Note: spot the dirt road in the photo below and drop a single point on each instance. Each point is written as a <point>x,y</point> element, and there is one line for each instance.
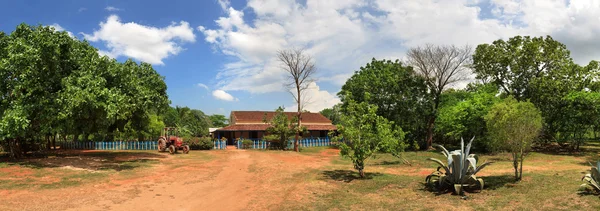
<point>232,180</point>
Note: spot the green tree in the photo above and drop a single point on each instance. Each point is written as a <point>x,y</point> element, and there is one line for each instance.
<point>364,132</point>
<point>281,129</point>
<point>53,84</point>
<point>465,118</point>
<point>333,114</point>
<point>538,69</point>
<point>512,65</point>
<point>580,115</point>
<point>218,120</point>
<point>402,95</point>
<point>513,126</point>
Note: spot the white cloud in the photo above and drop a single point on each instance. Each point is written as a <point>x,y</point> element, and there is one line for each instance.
<point>343,35</point>
<point>224,4</point>
<point>81,9</point>
<point>222,95</point>
<point>145,43</point>
<point>203,86</point>
<point>316,99</point>
<point>112,9</point>
<point>60,28</point>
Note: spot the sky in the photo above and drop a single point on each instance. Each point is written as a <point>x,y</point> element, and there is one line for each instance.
<point>220,55</point>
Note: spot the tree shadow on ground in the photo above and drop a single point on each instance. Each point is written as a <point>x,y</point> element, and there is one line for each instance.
<point>388,163</point>
<point>89,160</point>
<point>495,182</point>
<point>347,175</point>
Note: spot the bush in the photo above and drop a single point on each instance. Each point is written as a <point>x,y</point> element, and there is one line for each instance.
<point>247,144</point>
<point>200,143</point>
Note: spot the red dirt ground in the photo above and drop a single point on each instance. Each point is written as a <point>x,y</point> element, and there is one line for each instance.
<point>232,180</point>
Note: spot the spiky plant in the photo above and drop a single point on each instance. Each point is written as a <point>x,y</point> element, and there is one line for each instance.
<point>592,180</point>
<point>460,170</point>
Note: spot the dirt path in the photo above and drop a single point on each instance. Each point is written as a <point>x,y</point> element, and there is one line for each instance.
<point>233,180</point>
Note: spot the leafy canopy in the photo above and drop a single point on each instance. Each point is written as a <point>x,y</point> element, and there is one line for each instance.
<point>364,132</point>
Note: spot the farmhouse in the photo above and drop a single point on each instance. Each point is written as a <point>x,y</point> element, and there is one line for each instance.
<point>250,125</point>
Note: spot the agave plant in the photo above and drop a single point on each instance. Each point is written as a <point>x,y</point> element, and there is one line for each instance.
<point>592,180</point>
<point>460,170</point>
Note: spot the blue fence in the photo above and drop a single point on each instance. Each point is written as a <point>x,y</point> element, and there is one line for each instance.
<point>220,144</point>
<point>305,142</point>
<point>122,145</point>
<point>110,145</point>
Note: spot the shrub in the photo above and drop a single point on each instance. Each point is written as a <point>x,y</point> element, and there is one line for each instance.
<point>201,143</point>
<point>460,171</point>
<point>247,144</point>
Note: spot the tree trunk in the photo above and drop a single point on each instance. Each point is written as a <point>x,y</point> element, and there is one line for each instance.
<point>299,118</point>
<point>14,148</point>
<point>431,122</point>
<point>54,141</point>
<point>516,166</point>
<point>361,172</point>
<point>48,145</point>
<point>521,168</point>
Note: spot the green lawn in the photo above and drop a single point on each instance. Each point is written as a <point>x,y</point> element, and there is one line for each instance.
<point>550,183</point>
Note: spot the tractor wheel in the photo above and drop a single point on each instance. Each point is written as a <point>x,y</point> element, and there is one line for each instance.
<point>162,145</point>
<point>186,149</point>
<point>172,149</point>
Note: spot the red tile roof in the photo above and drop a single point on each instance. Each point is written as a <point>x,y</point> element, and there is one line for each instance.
<point>257,116</point>
<point>262,127</point>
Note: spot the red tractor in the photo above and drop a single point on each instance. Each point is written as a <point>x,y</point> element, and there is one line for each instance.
<point>170,140</point>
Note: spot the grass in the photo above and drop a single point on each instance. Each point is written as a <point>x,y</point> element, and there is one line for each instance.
<point>550,182</point>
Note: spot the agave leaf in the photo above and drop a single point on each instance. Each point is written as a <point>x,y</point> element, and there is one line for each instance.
<point>439,162</point>
<point>472,162</point>
<point>444,150</point>
<point>481,167</point>
<point>480,184</point>
<point>468,149</point>
<point>458,188</point>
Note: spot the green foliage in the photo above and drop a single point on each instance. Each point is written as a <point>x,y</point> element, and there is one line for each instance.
<point>592,180</point>
<point>281,129</point>
<point>247,144</point>
<point>581,114</point>
<point>53,84</point>
<point>538,69</point>
<point>334,114</point>
<point>463,115</point>
<point>512,126</point>
<point>401,95</point>
<point>514,64</point>
<point>191,122</point>
<point>460,170</point>
<point>202,143</point>
<point>218,120</point>
<point>364,132</point>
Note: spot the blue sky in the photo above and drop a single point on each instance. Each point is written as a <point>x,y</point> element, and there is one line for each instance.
<point>218,55</point>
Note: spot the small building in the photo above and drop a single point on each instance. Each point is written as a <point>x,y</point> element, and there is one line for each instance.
<point>250,125</point>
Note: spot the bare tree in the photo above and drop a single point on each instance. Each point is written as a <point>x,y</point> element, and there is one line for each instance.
<point>441,66</point>
<point>299,68</point>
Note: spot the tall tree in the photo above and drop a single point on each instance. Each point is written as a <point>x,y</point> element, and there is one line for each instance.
<point>402,95</point>
<point>513,126</point>
<point>218,120</point>
<point>442,67</point>
<point>538,69</point>
<point>512,65</point>
<point>300,69</point>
